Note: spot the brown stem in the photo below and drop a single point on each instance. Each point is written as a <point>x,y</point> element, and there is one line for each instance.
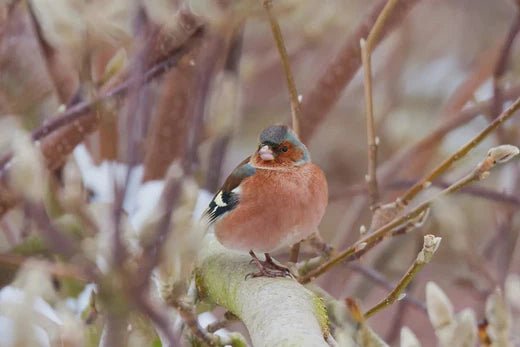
<point>431,244</point>
<point>501,65</point>
<point>371,177</point>
<point>378,278</point>
<point>320,100</point>
<point>446,164</point>
<point>60,135</point>
<point>495,155</point>
<point>278,37</point>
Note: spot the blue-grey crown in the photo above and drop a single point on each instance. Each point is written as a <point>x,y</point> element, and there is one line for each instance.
<point>274,134</point>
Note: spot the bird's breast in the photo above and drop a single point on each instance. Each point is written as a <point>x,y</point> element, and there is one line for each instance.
<point>275,208</point>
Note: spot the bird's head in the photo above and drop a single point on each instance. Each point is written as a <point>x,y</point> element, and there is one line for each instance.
<point>279,146</point>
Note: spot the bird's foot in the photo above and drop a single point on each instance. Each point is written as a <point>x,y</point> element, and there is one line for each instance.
<point>268,268</point>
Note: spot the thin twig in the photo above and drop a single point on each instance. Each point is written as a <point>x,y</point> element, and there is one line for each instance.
<point>501,64</point>
<point>278,37</point>
<point>322,97</point>
<point>477,191</point>
<point>189,318</point>
<point>75,112</point>
<point>371,177</point>
<point>379,279</point>
<point>481,171</point>
<point>452,116</point>
<point>78,117</point>
<point>446,164</point>
<point>390,167</point>
<point>431,243</point>
<point>372,140</point>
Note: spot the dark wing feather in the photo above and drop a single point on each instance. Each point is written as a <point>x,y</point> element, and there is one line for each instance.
<point>226,200</point>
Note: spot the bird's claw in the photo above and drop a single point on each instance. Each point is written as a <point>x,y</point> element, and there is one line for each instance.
<point>268,268</point>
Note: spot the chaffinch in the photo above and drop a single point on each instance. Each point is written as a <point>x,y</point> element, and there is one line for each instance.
<point>273,199</point>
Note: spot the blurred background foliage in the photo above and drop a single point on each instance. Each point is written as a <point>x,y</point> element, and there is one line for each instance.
<point>436,65</point>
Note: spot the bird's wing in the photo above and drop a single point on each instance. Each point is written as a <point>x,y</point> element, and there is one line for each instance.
<point>227,198</point>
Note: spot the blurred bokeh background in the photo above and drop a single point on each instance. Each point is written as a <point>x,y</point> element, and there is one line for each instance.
<point>435,77</point>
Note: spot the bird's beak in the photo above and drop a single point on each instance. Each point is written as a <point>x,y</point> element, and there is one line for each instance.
<point>266,153</point>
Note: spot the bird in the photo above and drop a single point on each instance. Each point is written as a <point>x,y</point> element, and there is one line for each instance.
<point>274,198</point>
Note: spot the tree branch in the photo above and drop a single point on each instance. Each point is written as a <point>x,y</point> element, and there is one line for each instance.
<point>446,164</point>
<point>431,243</point>
<point>366,58</point>
<point>278,37</point>
<point>320,100</point>
<point>495,155</point>
<point>276,312</point>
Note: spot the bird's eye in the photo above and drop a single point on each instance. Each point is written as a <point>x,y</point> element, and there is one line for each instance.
<point>284,149</point>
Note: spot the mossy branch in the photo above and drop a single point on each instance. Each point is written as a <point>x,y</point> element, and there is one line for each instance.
<point>276,311</point>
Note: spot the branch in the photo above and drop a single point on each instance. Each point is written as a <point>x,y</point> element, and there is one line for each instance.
<point>276,312</point>
<point>320,100</point>
<point>495,156</point>
<point>380,280</point>
<point>431,243</point>
<point>371,177</point>
<point>501,64</point>
<point>59,136</point>
<point>278,37</point>
<point>366,58</point>
<point>446,164</point>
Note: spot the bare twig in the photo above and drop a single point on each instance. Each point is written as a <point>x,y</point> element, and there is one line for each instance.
<point>74,113</point>
<point>390,167</point>
<point>477,191</point>
<point>320,100</point>
<point>372,140</point>
<point>501,64</point>
<point>60,135</point>
<point>431,243</point>
<point>495,155</point>
<point>278,37</point>
<point>446,164</point>
<point>190,319</point>
<point>371,177</point>
<point>452,116</point>
<point>378,278</point>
